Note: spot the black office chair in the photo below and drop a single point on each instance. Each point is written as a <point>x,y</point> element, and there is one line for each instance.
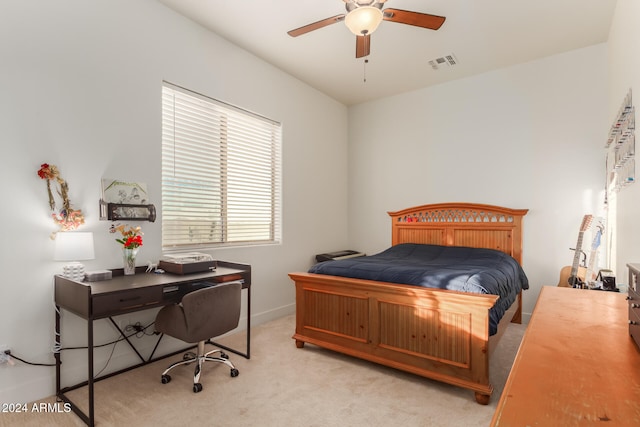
<point>202,314</point>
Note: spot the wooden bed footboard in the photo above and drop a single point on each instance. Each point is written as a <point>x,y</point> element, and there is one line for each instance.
<point>442,335</point>
<point>435,333</point>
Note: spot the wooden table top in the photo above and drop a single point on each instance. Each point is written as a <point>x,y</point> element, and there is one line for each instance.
<point>576,366</point>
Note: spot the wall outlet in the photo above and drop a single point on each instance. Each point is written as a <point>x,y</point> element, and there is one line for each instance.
<point>4,358</point>
<point>123,322</point>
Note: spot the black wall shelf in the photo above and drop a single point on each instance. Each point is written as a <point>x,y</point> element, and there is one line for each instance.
<point>121,211</point>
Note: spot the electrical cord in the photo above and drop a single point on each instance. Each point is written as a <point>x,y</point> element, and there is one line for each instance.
<point>113,349</point>
<point>136,330</point>
<point>10,356</point>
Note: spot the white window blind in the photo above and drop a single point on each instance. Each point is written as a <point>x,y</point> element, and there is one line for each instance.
<point>220,173</point>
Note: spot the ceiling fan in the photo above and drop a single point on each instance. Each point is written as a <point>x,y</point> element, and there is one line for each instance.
<point>364,16</point>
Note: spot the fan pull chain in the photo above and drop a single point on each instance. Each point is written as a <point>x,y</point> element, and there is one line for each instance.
<point>364,70</point>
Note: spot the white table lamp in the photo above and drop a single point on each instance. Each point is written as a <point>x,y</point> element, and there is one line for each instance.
<point>73,246</point>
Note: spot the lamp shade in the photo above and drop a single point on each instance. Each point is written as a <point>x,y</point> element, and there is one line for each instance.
<point>73,246</point>
<point>363,20</point>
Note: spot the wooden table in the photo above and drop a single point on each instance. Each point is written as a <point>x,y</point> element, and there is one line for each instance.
<point>576,366</point>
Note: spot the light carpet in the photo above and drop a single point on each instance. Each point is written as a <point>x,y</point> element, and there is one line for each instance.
<point>282,385</point>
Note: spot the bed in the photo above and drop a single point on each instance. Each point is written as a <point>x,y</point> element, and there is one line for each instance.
<point>443,334</point>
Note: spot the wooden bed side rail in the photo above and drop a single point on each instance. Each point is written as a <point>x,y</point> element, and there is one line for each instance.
<point>461,224</point>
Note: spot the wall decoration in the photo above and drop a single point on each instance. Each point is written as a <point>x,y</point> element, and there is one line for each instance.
<point>67,218</point>
<point>124,193</point>
<point>122,200</point>
<point>621,149</point>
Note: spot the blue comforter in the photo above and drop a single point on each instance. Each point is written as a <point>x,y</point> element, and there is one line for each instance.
<point>484,271</point>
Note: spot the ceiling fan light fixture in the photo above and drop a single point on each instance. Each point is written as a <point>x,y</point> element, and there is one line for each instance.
<point>363,20</point>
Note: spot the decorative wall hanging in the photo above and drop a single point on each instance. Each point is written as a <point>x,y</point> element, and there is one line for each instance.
<point>122,200</point>
<point>123,192</point>
<point>67,218</point>
<point>621,148</point>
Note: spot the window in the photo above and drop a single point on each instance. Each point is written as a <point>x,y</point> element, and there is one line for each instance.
<point>220,173</point>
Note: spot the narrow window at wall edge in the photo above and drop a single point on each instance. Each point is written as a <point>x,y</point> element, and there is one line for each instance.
<point>221,172</point>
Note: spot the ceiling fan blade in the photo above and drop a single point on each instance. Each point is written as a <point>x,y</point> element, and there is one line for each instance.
<point>315,26</point>
<point>363,45</point>
<point>424,20</point>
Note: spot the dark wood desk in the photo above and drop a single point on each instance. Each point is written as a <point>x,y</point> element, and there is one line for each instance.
<point>576,366</point>
<point>126,294</point>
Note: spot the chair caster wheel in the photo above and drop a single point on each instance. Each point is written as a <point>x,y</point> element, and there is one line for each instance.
<point>235,372</point>
<point>224,355</point>
<point>197,388</point>
<point>188,355</point>
<point>166,379</point>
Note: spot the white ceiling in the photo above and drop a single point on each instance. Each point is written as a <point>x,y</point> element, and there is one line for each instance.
<point>482,34</point>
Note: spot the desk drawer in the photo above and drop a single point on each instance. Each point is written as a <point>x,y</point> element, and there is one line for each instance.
<point>634,328</point>
<point>112,304</point>
<point>634,315</point>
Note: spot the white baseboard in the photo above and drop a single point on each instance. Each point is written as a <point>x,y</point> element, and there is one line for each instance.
<point>31,387</point>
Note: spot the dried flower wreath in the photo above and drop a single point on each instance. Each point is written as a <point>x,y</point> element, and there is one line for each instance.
<point>68,218</point>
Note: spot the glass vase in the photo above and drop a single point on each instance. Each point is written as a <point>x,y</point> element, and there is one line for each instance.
<point>129,260</point>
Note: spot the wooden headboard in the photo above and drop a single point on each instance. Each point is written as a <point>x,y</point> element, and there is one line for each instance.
<point>461,224</point>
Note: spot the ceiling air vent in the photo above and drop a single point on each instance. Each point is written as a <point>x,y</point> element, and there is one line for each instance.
<point>444,62</point>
